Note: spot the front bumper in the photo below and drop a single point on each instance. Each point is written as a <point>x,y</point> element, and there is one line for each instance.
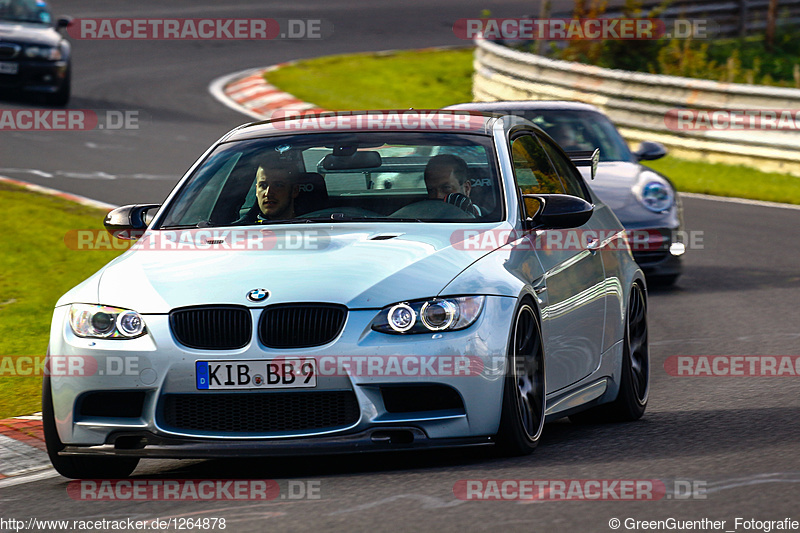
<point>659,252</point>
<point>156,366</point>
<point>36,76</point>
<point>145,444</point>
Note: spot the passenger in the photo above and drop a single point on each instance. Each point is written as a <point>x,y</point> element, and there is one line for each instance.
<point>446,179</point>
<point>565,136</point>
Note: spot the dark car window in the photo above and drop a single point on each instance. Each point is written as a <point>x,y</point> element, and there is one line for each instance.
<point>533,171</point>
<point>567,172</point>
<point>24,11</point>
<point>582,130</point>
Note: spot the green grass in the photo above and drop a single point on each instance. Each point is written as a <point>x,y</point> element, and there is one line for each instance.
<point>424,79</point>
<point>437,78</point>
<point>729,180</point>
<point>36,268</point>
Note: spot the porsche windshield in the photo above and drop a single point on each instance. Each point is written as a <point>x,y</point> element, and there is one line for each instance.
<point>34,11</point>
<point>342,177</point>
<point>582,130</point>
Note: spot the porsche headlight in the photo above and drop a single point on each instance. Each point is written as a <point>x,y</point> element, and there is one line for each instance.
<point>43,52</point>
<point>426,316</point>
<point>105,322</point>
<point>655,193</point>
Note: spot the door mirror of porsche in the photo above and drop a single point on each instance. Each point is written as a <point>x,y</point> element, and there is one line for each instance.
<point>130,221</point>
<point>649,150</point>
<point>556,211</point>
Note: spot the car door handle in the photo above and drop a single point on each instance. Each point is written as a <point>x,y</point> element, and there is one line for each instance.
<point>593,244</point>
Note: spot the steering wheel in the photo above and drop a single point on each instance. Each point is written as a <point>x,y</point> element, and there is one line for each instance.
<point>462,202</point>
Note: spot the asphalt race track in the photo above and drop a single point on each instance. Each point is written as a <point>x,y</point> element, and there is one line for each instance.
<point>736,439</point>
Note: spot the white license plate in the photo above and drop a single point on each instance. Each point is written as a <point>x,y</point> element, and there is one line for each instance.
<point>289,373</point>
<point>8,68</point>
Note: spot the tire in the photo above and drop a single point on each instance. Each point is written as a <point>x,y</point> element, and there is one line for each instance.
<point>634,386</point>
<point>61,97</point>
<point>77,467</point>
<point>522,415</point>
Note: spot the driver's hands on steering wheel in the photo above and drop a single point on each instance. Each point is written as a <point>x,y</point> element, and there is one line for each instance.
<point>462,202</point>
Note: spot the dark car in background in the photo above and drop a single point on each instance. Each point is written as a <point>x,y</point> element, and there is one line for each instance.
<point>34,55</point>
<point>644,201</point>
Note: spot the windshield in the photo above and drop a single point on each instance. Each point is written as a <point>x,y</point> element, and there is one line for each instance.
<point>342,177</point>
<point>582,130</point>
<point>25,11</point>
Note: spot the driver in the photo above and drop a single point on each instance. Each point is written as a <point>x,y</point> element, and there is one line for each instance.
<point>446,179</point>
<point>275,193</point>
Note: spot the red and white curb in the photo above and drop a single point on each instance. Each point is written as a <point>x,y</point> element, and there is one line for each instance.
<point>248,92</point>
<point>23,457</point>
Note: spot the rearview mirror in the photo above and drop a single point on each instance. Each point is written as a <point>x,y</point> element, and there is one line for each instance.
<point>355,161</point>
<point>556,211</point>
<point>649,150</point>
<point>129,221</point>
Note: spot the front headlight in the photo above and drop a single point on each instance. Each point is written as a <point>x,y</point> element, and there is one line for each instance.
<point>105,322</point>
<point>43,52</point>
<point>426,316</point>
<point>655,193</point>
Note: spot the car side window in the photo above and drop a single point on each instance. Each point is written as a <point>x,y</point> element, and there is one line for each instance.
<point>532,169</point>
<point>572,184</point>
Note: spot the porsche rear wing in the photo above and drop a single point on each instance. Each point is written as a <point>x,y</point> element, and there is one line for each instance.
<point>585,158</point>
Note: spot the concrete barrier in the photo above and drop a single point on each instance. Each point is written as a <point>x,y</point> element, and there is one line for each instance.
<point>638,103</point>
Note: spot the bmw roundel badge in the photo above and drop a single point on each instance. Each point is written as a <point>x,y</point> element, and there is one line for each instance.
<point>258,295</point>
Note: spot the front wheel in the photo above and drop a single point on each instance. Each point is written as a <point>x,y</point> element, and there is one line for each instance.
<point>522,416</point>
<point>76,467</point>
<point>634,385</point>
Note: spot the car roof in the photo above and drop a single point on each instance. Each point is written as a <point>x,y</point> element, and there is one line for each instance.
<point>412,120</point>
<point>526,105</point>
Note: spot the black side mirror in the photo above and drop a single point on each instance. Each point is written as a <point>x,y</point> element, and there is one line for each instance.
<point>649,150</point>
<point>63,22</point>
<point>556,211</point>
<point>129,221</point>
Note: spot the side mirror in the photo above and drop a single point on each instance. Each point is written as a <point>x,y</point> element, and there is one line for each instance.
<point>649,150</point>
<point>129,221</point>
<point>556,211</point>
<point>63,22</point>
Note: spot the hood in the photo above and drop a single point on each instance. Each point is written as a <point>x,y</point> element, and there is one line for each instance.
<point>342,263</point>
<point>29,33</point>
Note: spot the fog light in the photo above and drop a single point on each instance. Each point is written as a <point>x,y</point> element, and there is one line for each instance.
<point>677,248</point>
<point>402,317</point>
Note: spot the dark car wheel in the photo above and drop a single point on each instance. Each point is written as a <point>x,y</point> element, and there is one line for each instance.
<point>522,417</point>
<point>634,386</point>
<point>61,97</point>
<point>73,466</point>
